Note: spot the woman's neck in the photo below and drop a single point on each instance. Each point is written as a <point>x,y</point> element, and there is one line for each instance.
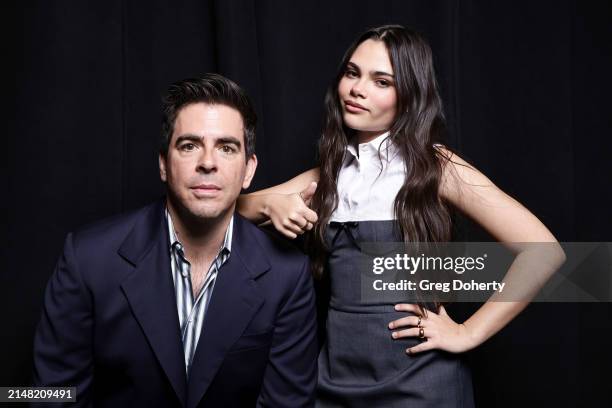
<point>368,136</point>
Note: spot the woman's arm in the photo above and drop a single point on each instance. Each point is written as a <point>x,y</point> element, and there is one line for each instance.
<point>285,205</point>
<point>509,222</point>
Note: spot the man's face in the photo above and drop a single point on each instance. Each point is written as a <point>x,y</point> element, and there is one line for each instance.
<point>205,167</point>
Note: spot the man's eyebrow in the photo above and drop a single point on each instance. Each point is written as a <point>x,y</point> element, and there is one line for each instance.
<point>187,137</point>
<point>230,140</point>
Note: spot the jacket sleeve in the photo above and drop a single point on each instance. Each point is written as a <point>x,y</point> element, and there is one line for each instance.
<point>290,377</point>
<point>63,345</point>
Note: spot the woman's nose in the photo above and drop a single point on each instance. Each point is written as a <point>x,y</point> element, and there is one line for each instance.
<point>358,88</point>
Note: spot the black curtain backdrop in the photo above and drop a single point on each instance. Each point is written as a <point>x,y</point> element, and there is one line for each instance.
<point>526,87</point>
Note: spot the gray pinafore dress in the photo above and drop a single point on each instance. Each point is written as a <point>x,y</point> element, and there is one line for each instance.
<point>360,364</point>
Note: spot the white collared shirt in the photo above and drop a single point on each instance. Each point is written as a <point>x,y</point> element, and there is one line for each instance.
<point>368,183</point>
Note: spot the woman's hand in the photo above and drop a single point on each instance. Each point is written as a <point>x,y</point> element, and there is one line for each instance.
<point>290,213</point>
<point>439,330</point>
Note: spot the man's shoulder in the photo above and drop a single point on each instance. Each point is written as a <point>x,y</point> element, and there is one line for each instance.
<point>276,248</point>
<point>286,266</point>
<point>112,228</point>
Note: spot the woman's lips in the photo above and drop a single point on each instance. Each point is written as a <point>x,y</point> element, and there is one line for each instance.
<point>354,107</point>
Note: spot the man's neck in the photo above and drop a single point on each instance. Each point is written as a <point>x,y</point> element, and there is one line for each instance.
<point>201,238</point>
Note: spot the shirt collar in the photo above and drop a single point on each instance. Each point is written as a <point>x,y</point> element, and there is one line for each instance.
<point>227,240</point>
<point>382,142</point>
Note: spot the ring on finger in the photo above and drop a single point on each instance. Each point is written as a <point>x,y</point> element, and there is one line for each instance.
<point>421,333</point>
<point>419,322</point>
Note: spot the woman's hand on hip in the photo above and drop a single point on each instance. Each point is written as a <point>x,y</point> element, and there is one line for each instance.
<point>438,331</point>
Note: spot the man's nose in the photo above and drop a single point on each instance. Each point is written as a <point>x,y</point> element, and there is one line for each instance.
<point>207,161</point>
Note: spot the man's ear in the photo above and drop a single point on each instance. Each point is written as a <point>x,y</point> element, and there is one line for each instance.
<point>162,167</point>
<point>251,165</point>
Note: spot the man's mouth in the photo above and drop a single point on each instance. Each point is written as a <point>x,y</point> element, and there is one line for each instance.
<point>205,189</point>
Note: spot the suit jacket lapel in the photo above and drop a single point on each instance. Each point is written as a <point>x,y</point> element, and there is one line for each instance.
<point>234,302</point>
<point>150,293</point>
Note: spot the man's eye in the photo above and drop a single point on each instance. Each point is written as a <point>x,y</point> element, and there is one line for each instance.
<point>227,149</point>
<point>187,147</point>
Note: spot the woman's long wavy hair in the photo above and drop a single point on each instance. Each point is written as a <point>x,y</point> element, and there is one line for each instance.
<point>421,213</point>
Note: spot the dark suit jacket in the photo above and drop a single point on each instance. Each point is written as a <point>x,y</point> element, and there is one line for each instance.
<point>110,324</point>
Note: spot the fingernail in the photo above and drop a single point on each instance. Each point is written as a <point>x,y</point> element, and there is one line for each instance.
<point>396,307</point>
<point>394,335</point>
<point>390,325</point>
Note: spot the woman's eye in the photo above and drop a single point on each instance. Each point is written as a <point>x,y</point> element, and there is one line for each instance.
<point>382,83</point>
<point>349,73</point>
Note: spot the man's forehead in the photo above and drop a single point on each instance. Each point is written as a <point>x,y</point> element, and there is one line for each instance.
<point>214,111</point>
<point>210,110</point>
<point>202,117</point>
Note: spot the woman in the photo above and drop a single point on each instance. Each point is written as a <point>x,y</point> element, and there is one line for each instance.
<point>383,177</point>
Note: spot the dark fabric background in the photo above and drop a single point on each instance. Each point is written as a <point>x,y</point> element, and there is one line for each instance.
<point>527,91</point>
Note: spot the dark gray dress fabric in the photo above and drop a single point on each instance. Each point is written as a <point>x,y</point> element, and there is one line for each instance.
<point>360,364</point>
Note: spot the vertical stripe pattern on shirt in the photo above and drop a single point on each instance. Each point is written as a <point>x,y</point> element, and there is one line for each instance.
<point>191,312</point>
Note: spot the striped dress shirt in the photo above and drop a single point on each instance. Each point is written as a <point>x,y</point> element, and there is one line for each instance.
<point>191,312</point>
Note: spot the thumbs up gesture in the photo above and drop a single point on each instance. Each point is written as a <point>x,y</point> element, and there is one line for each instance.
<point>290,213</point>
<point>307,194</point>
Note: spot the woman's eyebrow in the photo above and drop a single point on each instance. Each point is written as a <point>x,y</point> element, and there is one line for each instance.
<point>351,64</point>
<point>381,73</point>
<point>354,66</point>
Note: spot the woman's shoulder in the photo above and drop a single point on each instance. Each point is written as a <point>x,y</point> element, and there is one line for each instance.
<point>458,174</point>
<point>449,156</point>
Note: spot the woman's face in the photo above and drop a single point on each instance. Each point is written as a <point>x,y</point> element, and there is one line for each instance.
<point>367,90</point>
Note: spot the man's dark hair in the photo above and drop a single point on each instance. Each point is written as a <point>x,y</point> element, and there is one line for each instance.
<point>210,89</point>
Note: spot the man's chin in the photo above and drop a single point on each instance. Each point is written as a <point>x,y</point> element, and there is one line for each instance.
<point>205,214</point>
<point>200,210</point>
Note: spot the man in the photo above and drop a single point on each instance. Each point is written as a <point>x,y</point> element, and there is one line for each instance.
<point>183,302</point>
